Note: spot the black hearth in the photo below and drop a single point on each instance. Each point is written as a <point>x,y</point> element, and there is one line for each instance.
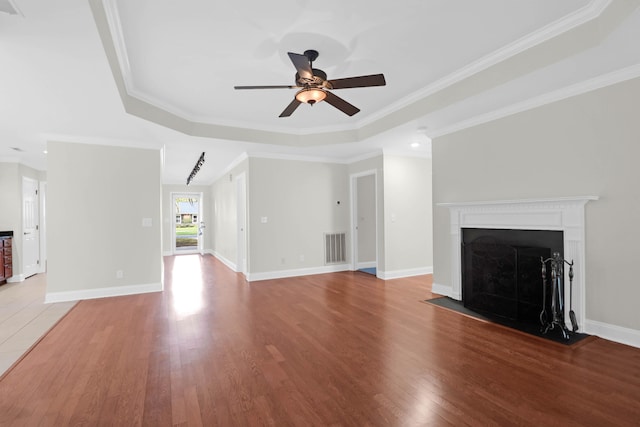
<point>501,274</point>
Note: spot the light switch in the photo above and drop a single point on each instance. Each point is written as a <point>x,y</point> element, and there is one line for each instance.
<point>146,222</point>
<point>263,219</point>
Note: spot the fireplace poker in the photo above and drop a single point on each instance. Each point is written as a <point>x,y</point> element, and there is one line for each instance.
<point>572,314</point>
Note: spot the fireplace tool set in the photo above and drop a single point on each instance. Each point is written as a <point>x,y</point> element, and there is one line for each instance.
<point>556,317</point>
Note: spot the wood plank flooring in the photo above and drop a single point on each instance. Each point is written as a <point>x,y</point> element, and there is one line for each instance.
<point>326,350</point>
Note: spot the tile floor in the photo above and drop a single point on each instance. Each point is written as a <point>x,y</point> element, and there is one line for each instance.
<point>24,317</point>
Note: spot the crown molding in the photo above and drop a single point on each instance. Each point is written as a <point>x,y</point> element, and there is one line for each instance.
<point>586,86</point>
<point>581,16</point>
<point>566,23</point>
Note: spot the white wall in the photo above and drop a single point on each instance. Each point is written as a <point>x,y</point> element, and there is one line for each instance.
<point>97,198</point>
<point>300,202</point>
<point>407,216</point>
<point>585,145</point>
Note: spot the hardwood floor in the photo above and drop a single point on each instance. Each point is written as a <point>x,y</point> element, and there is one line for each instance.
<point>334,349</point>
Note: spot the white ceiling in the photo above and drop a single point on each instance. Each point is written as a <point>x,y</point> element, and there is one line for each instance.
<point>156,73</point>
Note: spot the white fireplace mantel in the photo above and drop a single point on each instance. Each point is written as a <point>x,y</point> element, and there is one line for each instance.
<point>564,214</point>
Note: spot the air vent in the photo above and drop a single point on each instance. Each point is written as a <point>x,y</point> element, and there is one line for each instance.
<point>335,248</point>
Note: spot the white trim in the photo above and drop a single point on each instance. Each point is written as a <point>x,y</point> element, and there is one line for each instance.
<point>439,289</point>
<point>9,159</point>
<point>615,333</point>
<point>365,156</point>
<point>353,222</point>
<point>119,45</point>
<point>586,86</point>
<point>410,272</point>
<point>16,278</point>
<point>224,260</point>
<point>593,10</point>
<point>566,214</point>
<point>242,157</point>
<point>568,22</point>
<point>167,253</point>
<point>269,275</point>
<point>115,291</point>
<point>296,157</point>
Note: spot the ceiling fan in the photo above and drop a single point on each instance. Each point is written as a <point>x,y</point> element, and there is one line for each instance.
<point>314,86</point>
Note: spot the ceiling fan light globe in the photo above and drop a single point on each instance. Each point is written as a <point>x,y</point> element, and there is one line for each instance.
<point>311,96</point>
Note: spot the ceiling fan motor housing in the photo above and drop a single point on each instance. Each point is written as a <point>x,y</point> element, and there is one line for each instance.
<point>319,78</point>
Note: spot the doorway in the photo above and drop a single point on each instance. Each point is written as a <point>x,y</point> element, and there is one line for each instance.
<point>364,221</point>
<point>241,198</point>
<point>188,225</point>
<point>30,227</point>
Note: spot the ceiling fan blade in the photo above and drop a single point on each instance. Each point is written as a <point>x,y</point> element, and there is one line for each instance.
<point>290,108</point>
<point>266,87</point>
<point>360,81</point>
<point>341,104</point>
<point>302,65</point>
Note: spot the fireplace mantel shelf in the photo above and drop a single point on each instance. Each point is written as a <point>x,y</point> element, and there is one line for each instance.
<point>519,201</point>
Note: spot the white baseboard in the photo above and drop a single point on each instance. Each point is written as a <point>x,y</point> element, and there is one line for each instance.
<point>16,278</point>
<point>439,289</point>
<point>115,291</point>
<point>369,264</point>
<point>222,259</point>
<point>254,277</point>
<point>615,333</point>
<point>397,274</point>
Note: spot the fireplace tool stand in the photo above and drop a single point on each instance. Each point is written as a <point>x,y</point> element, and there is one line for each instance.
<point>557,295</point>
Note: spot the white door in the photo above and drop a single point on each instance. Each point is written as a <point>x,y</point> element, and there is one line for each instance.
<point>241,193</point>
<point>30,228</point>
<point>188,227</point>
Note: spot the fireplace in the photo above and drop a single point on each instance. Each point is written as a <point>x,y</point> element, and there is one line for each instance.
<point>564,214</point>
<point>501,271</point>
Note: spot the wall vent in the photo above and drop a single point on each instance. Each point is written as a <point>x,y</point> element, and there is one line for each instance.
<point>335,251</point>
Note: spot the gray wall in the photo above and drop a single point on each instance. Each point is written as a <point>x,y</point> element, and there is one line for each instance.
<point>408,224</point>
<point>585,145</point>
<point>366,218</point>
<point>97,198</point>
<point>224,208</point>
<point>299,200</point>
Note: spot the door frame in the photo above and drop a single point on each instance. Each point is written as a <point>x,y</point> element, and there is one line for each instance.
<point>241,224</point>
<point>353,189</point>
<point>43,225</point>
<point>34,183</point>
<point>174,196</point>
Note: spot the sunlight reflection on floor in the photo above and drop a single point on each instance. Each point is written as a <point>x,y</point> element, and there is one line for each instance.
<point>187,289</point>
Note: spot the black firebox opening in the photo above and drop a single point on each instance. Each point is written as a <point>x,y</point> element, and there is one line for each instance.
<point>501,271</point>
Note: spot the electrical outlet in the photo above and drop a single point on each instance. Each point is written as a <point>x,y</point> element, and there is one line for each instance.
<point>119,274</point>
<point>301,258</point>
<point>283,261</point>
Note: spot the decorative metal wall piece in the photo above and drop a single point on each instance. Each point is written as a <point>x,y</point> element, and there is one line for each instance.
<point>196,168</point>
<point>556,318</point>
